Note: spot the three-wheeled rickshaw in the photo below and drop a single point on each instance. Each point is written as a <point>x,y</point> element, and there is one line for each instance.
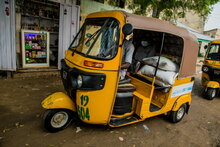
<point>211,70</point>
<point>91,74</point>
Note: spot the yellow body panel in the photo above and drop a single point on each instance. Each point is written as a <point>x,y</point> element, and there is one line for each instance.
<point>205,79</point>
<point>213,84</point>
<point>216,42</point>
<point>212,63</point>
<point>98,105</point>
<point>58,100</point>
<point>185,99</point>
<point>146,94</point>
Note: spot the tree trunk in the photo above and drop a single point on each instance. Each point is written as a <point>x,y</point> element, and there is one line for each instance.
<point>156,12</point>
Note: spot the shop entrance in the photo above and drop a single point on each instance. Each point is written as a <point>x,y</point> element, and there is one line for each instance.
<point>44,29</point>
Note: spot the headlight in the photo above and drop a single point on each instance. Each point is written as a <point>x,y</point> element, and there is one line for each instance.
<point>79,81</point>
<point>205,69</point>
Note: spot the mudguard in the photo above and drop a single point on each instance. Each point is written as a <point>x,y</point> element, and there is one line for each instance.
<point>58,100</point>
<point>185,99</point>
<point>213,84</point>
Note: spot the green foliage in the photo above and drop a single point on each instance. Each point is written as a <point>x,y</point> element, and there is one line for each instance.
<point>172,8</point>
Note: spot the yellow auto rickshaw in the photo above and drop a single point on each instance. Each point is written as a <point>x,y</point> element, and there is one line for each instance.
<point>211,70</point>
<point>92,64</point>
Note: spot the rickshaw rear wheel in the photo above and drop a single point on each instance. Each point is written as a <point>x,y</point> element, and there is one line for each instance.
<point>177,116</point>
<point>56,119</point>
<point>211,93</point>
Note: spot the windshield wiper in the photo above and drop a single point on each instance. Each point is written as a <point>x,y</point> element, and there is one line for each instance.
<point>93,35</point>
<point>89,50</point>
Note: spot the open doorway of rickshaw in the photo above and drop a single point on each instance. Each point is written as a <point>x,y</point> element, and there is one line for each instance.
<point>163,46</point>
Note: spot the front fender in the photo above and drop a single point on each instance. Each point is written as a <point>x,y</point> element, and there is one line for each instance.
<point>58,100</point>
<point>185,99</point>
<point>213,84</point>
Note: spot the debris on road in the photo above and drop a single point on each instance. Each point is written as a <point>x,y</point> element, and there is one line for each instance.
<point>18,125</point>
<point>47,134</point>
<point>38,115</point>
<point>1,138</point>
<point>146,128</point>
<point>121,138</point>
<point>78,129</point>
<point>5,130</point>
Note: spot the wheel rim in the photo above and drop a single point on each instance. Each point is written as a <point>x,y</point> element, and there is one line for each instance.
<point>180,113</point>
<point>213,93</point>
<point>59,119</point>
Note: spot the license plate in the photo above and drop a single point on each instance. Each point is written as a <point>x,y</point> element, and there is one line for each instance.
<point>64,75</point>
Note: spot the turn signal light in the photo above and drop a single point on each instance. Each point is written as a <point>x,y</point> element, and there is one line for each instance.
<point>93,64</point>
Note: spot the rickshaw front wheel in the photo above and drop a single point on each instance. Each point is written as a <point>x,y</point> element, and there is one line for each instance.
<point>56,119</point>
<point>210,93</point>
<point>177,116</point>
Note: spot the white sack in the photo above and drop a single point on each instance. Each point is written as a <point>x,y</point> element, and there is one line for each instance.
<point>164,64</point>
<point>166,77</point>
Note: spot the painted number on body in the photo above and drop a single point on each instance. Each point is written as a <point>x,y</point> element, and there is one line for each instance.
<point>82,110</point>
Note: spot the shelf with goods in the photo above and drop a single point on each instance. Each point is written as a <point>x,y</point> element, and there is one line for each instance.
<point>35,48</point>
<point>40,16</point>
<point>45,2</point>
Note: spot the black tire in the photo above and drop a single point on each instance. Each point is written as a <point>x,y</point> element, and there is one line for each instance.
<point>177,116</point>
<point>51,115</point>
<point>211,93</point>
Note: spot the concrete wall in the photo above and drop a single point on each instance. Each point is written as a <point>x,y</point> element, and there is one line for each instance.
<point>215,33</point>
<point>193,20</point>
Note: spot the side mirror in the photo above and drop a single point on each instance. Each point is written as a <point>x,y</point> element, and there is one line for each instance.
<point>127,29</point>
<point>205,47</point>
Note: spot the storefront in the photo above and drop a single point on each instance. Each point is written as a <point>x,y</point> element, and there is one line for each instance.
<point>44,30</point>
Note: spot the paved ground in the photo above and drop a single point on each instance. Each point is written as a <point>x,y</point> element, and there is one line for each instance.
<point>21,122</point>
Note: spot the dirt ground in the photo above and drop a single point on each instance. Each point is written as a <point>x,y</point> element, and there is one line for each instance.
<point>21,122</point>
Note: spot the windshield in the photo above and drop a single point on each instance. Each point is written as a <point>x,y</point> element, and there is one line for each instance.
<point>97,38</point>
<point>214,52</point>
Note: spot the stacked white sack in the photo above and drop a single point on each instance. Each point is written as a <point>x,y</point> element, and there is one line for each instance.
<point>164,64</point>
<point>166,73</point>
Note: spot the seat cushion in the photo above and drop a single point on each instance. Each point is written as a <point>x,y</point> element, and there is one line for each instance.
<point>126,88</point>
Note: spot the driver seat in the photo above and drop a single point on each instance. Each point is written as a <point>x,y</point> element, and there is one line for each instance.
<point>124,97</point>
<point>126,86</point>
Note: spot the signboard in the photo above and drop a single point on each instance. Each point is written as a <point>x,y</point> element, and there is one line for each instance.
<point>182,89</point>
